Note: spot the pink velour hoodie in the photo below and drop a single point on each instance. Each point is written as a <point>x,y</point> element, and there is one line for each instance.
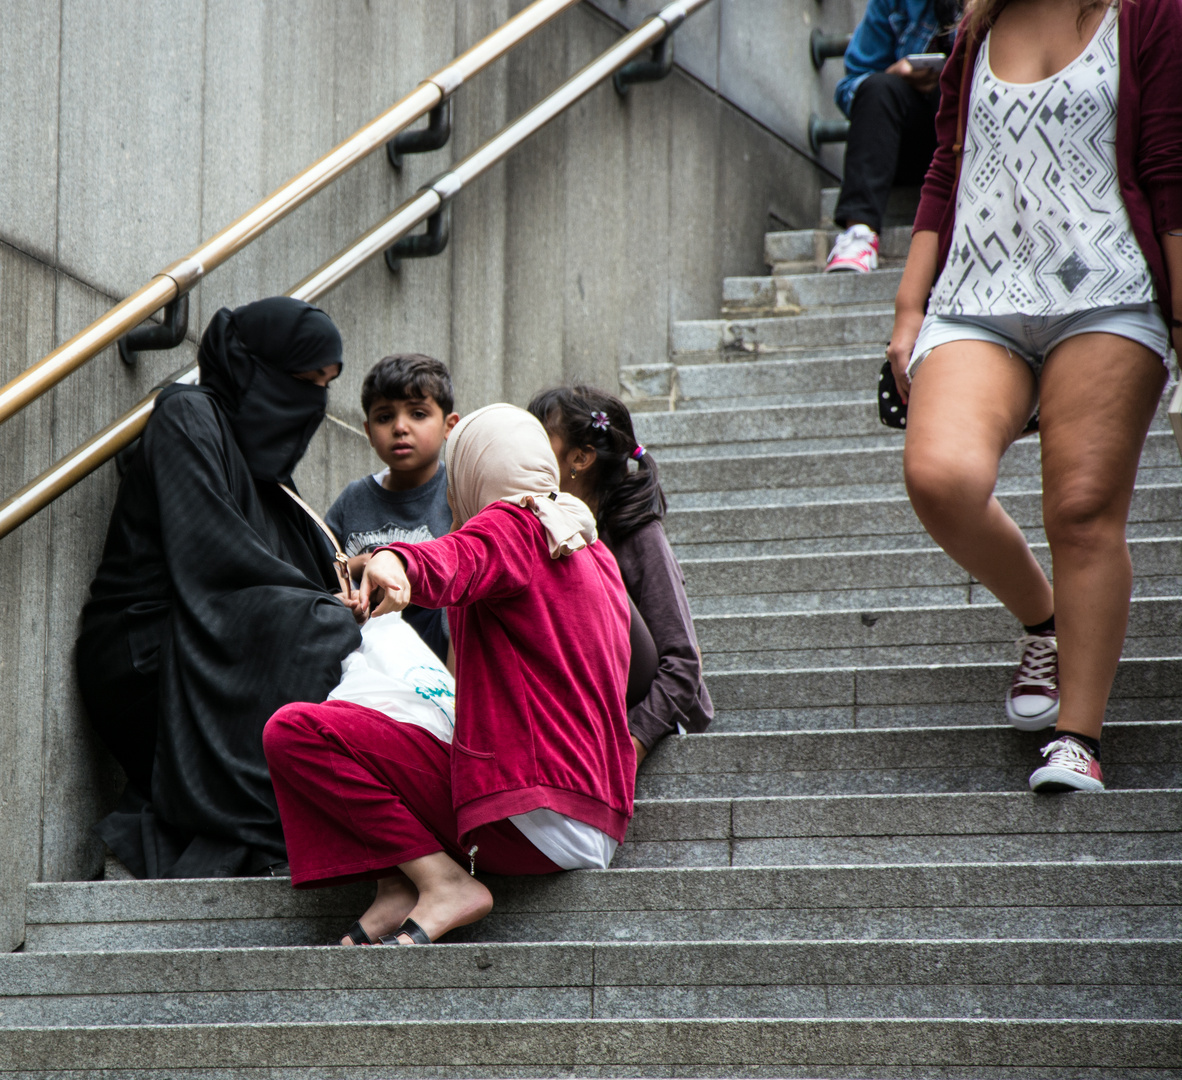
<point>541,665</point>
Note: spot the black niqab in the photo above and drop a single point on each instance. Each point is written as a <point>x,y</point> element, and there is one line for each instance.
<point>212,605</point>
<point>247,359</point>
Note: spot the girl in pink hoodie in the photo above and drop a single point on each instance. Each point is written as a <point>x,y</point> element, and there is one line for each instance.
<point>539,773</point>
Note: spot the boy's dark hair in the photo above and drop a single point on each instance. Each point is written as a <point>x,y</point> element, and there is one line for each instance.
<point>586,416</point>
<point>408,375</point>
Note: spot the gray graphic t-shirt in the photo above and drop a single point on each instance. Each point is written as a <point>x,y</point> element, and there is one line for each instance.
<point>366,516</point>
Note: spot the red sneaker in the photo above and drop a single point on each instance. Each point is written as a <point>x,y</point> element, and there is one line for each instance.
<point>1071,767</point>
<point>856,250</point>
<point>1032,701</point>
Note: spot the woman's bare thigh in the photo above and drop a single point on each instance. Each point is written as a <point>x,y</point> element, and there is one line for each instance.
<point>969,401</point>
<point>1099,393</point>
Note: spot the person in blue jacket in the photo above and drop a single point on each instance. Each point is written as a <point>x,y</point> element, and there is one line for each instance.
<point>892,106</point>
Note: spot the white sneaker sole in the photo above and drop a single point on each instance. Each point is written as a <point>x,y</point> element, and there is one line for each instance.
<point>1051,778</point>
<point>848,268</point>
<point>1047,718</point>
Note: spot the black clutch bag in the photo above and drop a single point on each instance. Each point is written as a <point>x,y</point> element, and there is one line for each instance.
<point>892,410</point>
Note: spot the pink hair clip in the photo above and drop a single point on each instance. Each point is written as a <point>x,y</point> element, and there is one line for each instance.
<point>599,420</point>
<point>638,453</point>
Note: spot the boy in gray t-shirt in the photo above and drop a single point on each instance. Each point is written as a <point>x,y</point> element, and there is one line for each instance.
<point>407,399</point>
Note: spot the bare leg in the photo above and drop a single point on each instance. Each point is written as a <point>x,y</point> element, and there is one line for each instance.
<point>1099,394</point>
<point>434,891</point>
<point>969,401</point>
<point>393,903</point>
<point>448,895</point>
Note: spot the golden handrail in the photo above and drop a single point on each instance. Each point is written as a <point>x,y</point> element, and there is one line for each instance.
<point>108,442</point>
<point>183,274</point>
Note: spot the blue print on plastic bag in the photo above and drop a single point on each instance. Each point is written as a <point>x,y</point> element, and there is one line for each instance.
<point>432,686</point>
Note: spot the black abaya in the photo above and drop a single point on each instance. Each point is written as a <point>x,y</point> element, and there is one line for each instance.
<point>213,602</point>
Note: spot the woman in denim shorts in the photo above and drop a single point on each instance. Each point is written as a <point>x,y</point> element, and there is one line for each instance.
<point>1045,272</point>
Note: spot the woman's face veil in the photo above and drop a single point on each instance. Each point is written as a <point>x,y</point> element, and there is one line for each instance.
<point>248,358</point>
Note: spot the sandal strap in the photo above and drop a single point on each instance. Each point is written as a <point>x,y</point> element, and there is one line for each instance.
<point>358,934</point>
<point>413,931</point>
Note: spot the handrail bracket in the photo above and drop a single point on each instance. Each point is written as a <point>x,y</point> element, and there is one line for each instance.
<point>422,245</point>
<point>644,71</point>
<point>422,140</point>
<point>150,337</point>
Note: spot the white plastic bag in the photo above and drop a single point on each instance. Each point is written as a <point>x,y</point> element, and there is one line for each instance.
<point>395,672</point>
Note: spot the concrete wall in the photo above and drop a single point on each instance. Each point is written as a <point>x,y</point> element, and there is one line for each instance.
<point>132,130</point>
<point>755,54</point>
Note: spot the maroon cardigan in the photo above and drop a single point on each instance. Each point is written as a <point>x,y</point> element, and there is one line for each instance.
<point>1148,134</point>
<point>541,665</point>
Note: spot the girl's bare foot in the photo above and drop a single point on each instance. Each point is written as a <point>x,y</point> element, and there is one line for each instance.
<point>448,896</point>
<point>395,899</point>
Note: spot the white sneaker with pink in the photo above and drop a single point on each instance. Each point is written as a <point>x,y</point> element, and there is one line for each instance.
<point>856,251</point>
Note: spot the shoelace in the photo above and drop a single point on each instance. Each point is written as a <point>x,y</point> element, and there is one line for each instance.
<point>1068,754</point>
<point>846,243</point>
<point>1040,661</point>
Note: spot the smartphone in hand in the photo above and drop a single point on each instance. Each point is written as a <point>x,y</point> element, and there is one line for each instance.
<point>926,61</point>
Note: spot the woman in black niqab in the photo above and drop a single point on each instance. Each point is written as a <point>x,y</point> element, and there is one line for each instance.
<point>212,606</point>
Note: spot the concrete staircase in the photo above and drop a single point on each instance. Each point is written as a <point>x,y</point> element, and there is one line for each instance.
<point>845,878</point>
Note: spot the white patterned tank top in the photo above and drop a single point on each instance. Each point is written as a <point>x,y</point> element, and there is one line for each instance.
<point>1041,228</point>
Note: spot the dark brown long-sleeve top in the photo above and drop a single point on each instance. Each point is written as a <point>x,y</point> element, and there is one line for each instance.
<point>656,584</point>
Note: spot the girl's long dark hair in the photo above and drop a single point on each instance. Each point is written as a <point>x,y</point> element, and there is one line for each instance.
<point>588,417</point>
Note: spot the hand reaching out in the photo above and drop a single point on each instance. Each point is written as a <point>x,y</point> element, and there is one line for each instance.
<point>385,583</point>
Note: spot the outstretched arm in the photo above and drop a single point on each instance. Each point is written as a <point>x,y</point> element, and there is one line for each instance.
<point>490,556</point>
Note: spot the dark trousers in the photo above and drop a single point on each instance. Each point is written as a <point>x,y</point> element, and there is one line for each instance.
<point>892,139</point>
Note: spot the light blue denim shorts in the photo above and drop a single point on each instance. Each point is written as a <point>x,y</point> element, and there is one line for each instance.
<point>1033,337</point>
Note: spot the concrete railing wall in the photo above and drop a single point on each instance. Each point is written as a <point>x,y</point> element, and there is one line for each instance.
<point>133,129</point>
<point>755,54</point>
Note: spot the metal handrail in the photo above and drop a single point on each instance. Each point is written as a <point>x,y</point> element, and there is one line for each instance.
<point>430,198</point>
<point>183,274</point>
<point>108,442</point>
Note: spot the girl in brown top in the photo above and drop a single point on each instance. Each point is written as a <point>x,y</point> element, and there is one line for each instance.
<point>591,433</point>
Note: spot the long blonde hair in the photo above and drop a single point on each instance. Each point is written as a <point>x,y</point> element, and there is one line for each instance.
<point>980,15</point>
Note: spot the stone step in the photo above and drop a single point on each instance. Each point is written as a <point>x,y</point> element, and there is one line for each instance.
<point>776,382</point>
<point>937,654</point>
<point>773,979</point>
<point>760,479</point>
<point>927,828</point>
<point>813,293</point>
<point>902,1048</point>
<point>812,528</point>
<point>962,694</point>
<point>859,580</point>
<point>834,375</point>
<point>760,429</point>
<point>1133,899</point>
<point>751,337</point>
<point>1154,620</point>
<point>804,251</point>
<point>884,761</point>
<point>767,429</point>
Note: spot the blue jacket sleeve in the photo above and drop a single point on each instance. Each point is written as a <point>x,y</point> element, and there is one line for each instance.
<point>871,49</point>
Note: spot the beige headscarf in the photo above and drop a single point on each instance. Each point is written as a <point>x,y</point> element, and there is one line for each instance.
<point>502,454</point>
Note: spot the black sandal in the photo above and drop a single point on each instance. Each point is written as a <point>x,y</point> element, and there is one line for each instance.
<point>412,930</point>
<point>358,934</point>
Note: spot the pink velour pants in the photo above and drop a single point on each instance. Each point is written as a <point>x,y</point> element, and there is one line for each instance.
<point>360,793</point>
